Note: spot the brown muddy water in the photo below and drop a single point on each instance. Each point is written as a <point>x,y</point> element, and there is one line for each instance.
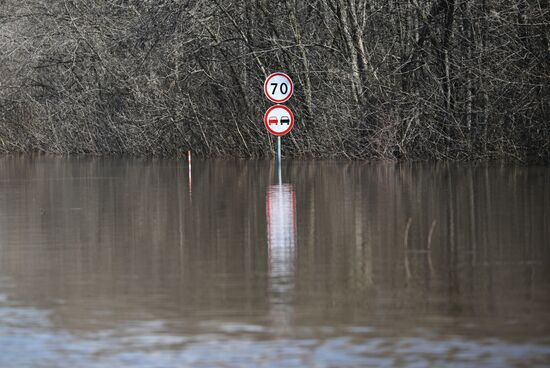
<point>120,263</point>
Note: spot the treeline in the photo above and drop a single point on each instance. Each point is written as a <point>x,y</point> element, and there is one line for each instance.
<point>435,79</point>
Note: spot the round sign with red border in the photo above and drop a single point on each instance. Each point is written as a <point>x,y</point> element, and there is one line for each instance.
<point>279,120</point>
<point>278,87</point>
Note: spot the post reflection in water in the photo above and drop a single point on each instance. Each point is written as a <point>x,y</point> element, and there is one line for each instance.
<point>281,242</point>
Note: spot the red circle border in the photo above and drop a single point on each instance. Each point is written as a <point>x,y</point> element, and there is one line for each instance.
<point>291,120</point>
<point>266,83</point>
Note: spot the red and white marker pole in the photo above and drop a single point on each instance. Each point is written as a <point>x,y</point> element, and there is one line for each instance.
<point>189,170</point>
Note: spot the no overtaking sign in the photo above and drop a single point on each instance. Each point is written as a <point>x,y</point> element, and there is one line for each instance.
<point>279,120</point>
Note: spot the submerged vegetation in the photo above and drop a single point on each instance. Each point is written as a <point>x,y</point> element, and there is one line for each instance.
<point>437,79</point>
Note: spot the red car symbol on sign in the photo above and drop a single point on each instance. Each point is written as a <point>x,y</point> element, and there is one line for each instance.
<point>273,120</point>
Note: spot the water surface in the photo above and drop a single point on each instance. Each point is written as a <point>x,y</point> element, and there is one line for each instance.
<point>122,263</point>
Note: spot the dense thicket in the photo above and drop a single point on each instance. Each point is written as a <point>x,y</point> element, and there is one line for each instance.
<point>380,78</point>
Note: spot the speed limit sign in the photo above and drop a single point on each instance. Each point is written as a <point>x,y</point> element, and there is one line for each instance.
<point>278,87</point>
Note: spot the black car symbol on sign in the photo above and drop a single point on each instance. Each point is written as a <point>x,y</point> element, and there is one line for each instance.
<point>285,120</point>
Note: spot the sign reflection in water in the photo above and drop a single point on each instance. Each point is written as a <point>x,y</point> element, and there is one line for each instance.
<point>281,240</point>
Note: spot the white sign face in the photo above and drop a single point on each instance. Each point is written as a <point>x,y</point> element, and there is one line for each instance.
<point>278,87</point>
<point>279,120</point>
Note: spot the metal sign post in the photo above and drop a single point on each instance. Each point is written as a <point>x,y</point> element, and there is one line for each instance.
<point>279,159</point>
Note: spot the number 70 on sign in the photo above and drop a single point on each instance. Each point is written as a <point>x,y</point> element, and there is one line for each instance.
<point>278,87</point>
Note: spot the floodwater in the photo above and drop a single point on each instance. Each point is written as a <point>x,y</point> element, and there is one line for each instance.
<point>126,263</point>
